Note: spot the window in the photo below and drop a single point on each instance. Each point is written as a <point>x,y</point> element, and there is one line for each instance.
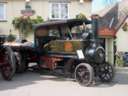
<point>54,33</point>
<point>78,31</point>
<point>2,11</point>
<point>58,10</point>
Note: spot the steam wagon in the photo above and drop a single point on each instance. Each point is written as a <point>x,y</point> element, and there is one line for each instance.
<point>72,45</point>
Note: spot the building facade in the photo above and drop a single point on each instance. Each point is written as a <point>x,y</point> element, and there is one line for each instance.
<point>50,10</point>
<point>47,9</point>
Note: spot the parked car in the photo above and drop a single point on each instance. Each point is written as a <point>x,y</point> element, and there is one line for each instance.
<point>125,58</point>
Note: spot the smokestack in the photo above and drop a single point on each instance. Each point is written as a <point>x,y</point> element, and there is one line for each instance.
<point>94,27</point>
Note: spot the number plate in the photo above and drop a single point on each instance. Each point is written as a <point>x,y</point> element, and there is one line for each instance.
<point>80,54</point>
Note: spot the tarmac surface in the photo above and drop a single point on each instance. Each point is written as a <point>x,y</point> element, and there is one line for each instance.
<point>34,84</point>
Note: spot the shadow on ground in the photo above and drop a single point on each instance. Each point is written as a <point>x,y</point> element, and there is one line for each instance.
<point>19,80</point>
<point>30,78</point>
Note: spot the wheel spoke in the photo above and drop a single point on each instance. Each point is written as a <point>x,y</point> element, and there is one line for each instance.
<point>108,76</point>
<point>106,72</point>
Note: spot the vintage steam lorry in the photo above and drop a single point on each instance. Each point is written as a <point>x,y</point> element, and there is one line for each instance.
<point>60,44</point>
<point>72,45</point>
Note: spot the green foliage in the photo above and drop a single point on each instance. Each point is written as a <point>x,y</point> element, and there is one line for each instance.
<point>37,20</point>
<point>119,60</point>
<point>24,24</point>
<point>125,27</point>
<point>11,38</point>
<point>81,16</point>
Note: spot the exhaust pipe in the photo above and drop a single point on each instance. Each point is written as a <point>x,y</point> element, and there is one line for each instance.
<point>94,27</point>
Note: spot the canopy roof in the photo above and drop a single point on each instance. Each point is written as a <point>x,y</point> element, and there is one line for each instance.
<point>69,22</point>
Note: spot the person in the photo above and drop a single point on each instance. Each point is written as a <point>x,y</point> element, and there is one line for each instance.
<point>66,34</point>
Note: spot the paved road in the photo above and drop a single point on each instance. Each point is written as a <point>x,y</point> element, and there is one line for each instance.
<point>33,84</point>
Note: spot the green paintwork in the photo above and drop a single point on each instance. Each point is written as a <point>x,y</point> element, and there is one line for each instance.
<point>59,45</point>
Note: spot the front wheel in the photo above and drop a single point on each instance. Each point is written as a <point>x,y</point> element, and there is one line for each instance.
<point>106,72</point>
<point>84,74</point>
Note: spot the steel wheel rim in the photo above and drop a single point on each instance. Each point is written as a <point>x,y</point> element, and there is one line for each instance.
<point>7,68</point>
<point>106,72</point>
<point>83,75</point>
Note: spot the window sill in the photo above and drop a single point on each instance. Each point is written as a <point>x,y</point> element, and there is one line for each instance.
<point>58,18</point>
<point>3,20</point>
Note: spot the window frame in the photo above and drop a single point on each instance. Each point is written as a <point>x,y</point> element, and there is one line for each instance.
<point>59,18</point>
<point>4,12</point>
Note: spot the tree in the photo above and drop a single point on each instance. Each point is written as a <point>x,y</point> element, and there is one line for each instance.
<point>11,38</point>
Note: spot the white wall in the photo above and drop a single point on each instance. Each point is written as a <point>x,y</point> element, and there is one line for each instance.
<point>76,8</point>
<point>13,10</point>
<point>122,41</point>
<point>109,50</point>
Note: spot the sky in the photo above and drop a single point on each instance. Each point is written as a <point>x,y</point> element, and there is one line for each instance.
<point>98,5</point>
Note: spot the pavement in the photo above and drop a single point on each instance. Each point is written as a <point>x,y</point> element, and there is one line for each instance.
<point>34,84</point>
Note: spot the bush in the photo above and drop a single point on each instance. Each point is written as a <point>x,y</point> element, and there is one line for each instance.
<point>81,16</point>
<point>37,20</point>
<point>125,27</point>
<point>119,59</point>
<point>11,38</point>
<point>24,24</point>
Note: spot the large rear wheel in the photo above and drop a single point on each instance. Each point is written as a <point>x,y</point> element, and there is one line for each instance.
<point>22,63</point>
<point>84,74</point>
<point>9,67</point>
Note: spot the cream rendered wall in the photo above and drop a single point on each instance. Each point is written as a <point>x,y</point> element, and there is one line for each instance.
<point>41,7</point>
<point>122,41</point>
<point>75,8</point>
<point>109,50</point>
<point>13,10</point>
